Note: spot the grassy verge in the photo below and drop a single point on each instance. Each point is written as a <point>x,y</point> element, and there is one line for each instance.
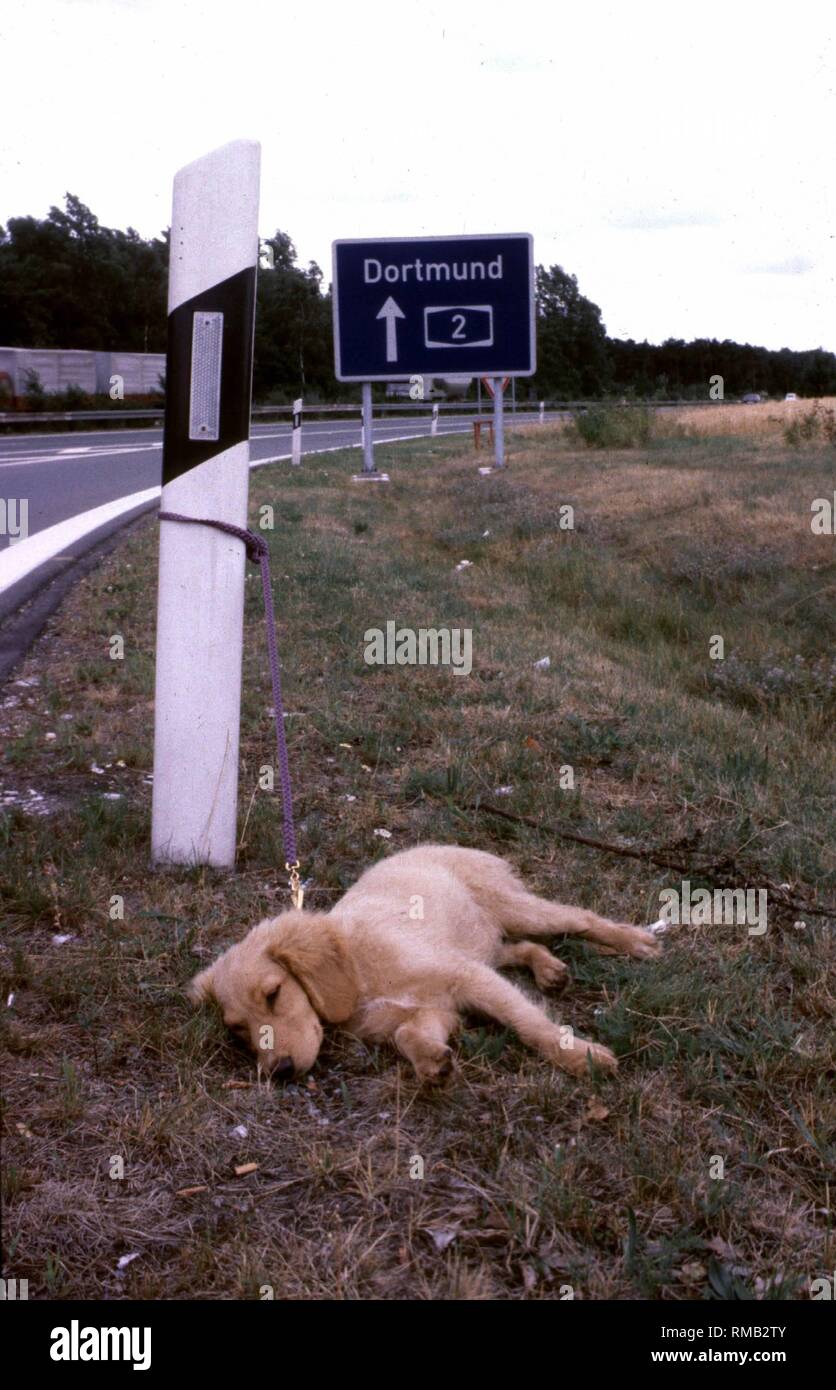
<point>702,1170</point>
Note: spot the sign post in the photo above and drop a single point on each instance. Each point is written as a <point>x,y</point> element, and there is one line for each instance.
<point>496,389</point>
<point>498,423</point>
<point>369,473</point>
<point>206,454</point>
<point>368,429</point>
<point>434,306</point>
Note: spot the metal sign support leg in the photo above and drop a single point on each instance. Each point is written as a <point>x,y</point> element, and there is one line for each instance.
<point>498,424</point>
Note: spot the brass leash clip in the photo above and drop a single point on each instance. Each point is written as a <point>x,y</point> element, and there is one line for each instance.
<point>297,892</point>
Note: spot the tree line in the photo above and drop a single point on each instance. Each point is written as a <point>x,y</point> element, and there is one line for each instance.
<point>68,282</point>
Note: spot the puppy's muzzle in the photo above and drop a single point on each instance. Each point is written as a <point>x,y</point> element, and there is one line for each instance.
<point>284,1070</point>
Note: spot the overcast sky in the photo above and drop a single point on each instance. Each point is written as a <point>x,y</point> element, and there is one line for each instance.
<point>679,159</point>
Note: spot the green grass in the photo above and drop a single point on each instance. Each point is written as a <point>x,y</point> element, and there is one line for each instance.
<point>531,1181</point>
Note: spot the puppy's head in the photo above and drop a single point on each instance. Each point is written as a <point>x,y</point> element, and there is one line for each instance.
<point>276,986</point>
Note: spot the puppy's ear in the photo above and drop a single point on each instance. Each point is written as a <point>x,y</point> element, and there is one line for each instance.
<point>307,946</point>
<point>201,987</point>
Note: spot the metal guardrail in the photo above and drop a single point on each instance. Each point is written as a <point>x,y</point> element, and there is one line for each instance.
<point>31,417</point>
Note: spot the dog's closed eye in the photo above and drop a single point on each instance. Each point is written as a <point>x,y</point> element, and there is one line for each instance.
<point>270,999</point>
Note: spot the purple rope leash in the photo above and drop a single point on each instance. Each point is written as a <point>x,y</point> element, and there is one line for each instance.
<point>259,552</point>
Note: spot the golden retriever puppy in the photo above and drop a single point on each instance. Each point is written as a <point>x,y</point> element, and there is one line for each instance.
<point>410,947</point>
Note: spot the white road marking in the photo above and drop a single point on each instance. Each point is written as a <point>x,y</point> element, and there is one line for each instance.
<point>64,455</point>
<point>93,451</point>
<point>19,560</point>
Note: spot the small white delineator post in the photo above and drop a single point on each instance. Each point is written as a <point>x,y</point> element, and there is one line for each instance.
<point>296,440</point>
<point>369,473</point>
<point>206,455</point>
<point>498,424</point>
<point>434,425</point>
<point>542,412</point>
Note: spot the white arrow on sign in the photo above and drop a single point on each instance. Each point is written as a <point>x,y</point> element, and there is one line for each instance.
<point>390,312</point>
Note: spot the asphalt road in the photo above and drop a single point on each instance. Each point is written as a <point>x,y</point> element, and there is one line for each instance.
<point>62,475</point>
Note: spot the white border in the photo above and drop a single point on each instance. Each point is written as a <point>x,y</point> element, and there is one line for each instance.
<point>434,240</point>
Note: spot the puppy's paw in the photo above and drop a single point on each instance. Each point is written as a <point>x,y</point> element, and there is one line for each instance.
<point>624,940</point>
<point>435,1066</point>
<point>577,1059</point>
<point>642,943</point>
<point>551,976</point>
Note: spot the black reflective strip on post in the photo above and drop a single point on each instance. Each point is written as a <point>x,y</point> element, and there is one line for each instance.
<point>297,420</point>
<point>235,299</point>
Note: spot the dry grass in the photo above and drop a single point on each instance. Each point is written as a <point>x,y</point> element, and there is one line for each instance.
<point>530,1182</point>
<point>762,422</point>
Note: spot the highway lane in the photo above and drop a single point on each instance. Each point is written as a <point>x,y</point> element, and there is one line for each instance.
<point>62,475</point>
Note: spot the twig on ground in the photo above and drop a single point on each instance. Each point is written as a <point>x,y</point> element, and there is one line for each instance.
<point>718,870</point>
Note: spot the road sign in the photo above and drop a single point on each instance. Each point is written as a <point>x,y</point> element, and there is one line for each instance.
<point>486,381</point>
<point>433,306</point>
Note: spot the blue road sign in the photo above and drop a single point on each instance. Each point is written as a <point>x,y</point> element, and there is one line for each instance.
<point>434,306</point>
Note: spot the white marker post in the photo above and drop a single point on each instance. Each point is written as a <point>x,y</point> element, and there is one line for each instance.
<point>498,423</point>
<point>296,441</point>
<point>206,454</point>
<point>434,424</point>
<point>542,412</point>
